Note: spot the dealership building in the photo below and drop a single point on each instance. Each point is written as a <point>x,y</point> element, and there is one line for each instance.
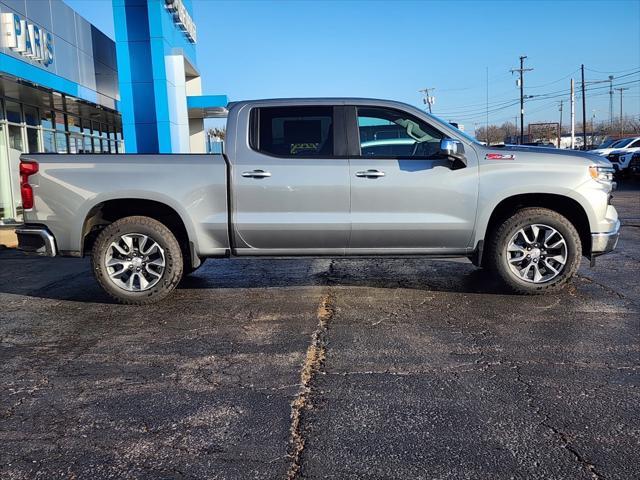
<point>66,87</point>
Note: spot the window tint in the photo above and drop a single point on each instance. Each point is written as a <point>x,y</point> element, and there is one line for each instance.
<point>392,133</point>
<point>295,131</point>
<point>622,143</point>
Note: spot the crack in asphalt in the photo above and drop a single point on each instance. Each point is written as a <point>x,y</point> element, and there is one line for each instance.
<point>601,285</point>
<point>312,366</point>
<point>562,436</point>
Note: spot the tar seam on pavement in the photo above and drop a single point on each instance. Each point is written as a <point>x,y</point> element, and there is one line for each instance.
<point>313,363</point>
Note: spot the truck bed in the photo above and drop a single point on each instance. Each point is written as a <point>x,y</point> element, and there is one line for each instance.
<point>68,187</point>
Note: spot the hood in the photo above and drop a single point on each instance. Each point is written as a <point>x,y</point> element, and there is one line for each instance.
<point>546,153</point>
<point>601,151</point>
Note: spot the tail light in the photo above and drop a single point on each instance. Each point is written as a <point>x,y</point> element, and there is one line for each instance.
<point>26,170</point>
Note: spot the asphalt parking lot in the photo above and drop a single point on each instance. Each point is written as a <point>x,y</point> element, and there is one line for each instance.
<point>320,368</point>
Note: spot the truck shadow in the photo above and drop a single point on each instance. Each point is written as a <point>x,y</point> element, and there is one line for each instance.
<point>391,273</point>
<point>71,279</point>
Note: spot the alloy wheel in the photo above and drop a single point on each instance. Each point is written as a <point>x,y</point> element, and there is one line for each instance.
<point>537,253</point>
<point>135,262</point>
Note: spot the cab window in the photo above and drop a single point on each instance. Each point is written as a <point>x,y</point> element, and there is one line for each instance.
<point>293,131</point>
<point>389,133</point>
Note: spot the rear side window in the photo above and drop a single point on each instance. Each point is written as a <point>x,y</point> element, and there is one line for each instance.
<point>293,131</point>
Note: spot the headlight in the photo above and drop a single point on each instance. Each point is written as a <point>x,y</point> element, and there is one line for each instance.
<point>601,174</point>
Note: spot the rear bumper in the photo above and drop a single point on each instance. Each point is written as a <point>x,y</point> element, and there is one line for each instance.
<point>602,243</point>
<point>37,241</point>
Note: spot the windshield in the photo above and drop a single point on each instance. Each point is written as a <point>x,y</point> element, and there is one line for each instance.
<point>622,143</point>
<point>458,131</point>
<point>607,143</point>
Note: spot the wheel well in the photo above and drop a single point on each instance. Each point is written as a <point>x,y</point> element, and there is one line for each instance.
<point>108,212</point>
<point>565,206</point>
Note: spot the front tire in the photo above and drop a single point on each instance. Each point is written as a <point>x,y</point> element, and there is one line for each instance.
<point>137,260</point>
<point>535,251</point>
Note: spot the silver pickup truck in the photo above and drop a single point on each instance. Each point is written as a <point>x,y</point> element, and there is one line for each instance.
<point>321,177</point>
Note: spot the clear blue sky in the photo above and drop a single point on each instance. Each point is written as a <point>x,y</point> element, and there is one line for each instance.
<point>391,49</point>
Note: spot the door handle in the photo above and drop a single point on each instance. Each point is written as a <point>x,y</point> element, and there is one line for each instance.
<point>372,173</point>
<point>256,174</point>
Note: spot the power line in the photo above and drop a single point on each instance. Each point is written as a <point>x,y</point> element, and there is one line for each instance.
<point>478,112</point>
<point>475,114</point>
<point>619,71</point>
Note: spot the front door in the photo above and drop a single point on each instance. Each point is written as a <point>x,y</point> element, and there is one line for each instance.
<point>290,185</point>
<point>404,198</point>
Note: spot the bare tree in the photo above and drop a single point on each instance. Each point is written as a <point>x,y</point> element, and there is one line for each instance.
<point>219,133</point>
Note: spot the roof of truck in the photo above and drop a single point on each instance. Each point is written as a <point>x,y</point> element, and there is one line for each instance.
<point>321,101</point>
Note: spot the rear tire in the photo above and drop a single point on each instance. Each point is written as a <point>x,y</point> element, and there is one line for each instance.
<point>137,260</point>
<point>535,251</point>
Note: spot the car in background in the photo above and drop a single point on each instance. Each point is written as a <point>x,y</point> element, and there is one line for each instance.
<point>625,145</point>
<point>539,144</point>
<point>629,163</point>
<point>607,142</point>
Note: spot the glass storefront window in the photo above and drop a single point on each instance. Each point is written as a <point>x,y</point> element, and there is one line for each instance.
<point>75,143</point>
<point>74,123</point>
<point>32,140</point>
<point>15,137</point>
<point>48,141</point>
<point>88,144</point>
<point>31,116</point>
<point>14,113</point>
<point>61,143</point>
<point>59,120</point>
<point>14,150</point>
<point>6,196</point>
<point>86,126</point>
<point>46,119</point>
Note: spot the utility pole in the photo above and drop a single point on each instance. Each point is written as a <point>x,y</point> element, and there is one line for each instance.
<point>428,100</point>
<point>520,83</point>
<point>611,100</point>
<point>487,119</point>
<point>621,89</point>
<point>560,125</point>
<point>584,112</point>
<point>610,82</point>
<point>573,115</point>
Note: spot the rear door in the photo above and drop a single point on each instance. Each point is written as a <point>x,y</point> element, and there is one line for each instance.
<point>290,182</point>
<point>404,197</point>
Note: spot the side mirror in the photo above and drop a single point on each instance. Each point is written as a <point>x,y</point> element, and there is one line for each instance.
<point>454,150</point>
